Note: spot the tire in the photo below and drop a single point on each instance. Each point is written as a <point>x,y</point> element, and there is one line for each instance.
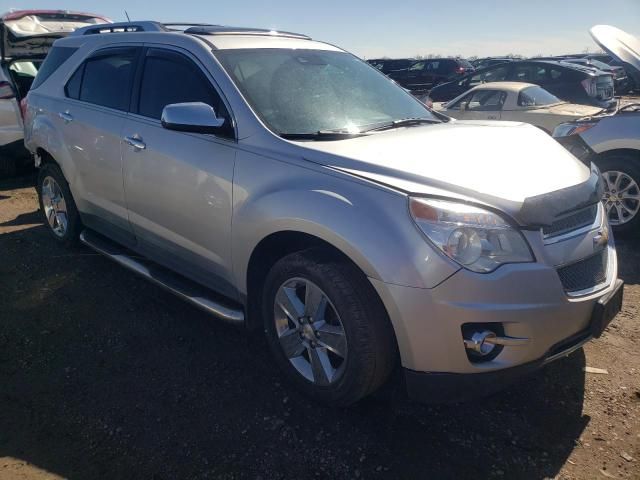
<point>352,305</point>
<point>57,205</point>
<point>629,166</point>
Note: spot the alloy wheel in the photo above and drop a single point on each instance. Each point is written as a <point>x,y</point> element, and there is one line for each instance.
<point>621,197</point>
<point>310,331</point>
<point>55,207</point>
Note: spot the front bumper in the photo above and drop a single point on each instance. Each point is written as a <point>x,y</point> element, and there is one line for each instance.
<point>456,387</point>
<point>528,301</point>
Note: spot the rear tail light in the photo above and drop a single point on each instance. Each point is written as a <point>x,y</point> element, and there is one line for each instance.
<point>460,70</point>
<point>6,91</point>
<point>589,85</point>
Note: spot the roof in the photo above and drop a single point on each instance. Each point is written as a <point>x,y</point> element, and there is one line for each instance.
<point>218,36</point>
<point>228,42</point>
<point>508,86</point>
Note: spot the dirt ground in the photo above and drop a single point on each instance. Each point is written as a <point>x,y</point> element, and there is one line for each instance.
<point>103,375</point>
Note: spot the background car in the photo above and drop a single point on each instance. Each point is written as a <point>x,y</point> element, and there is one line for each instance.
<point>572,83</point>
<point>620,79</point>
<point>27,36</point>
<point>386,65</point>
<point>612,142</point>
<point>515,101</point>
<point>425,74</point>
<point>490,61</point>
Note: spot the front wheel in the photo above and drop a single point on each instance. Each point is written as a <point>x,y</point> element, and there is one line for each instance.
<point>327,328</point>
<point>621,198</point>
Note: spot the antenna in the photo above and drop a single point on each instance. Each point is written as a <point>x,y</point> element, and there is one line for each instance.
<point>128,19</point>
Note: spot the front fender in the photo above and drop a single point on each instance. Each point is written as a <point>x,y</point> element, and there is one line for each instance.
<point>369,224</point>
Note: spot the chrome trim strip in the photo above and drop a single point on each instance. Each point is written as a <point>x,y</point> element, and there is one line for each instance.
<point>553,239</point>
<point>208,305</point>
<point>567,352</point>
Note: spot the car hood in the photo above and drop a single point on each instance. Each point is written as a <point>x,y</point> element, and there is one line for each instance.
<point>506,165</point>
<point>618,44</point>
<point>30,33</point>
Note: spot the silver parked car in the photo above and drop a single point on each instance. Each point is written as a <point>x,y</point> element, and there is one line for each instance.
<point>611,139</point>
<point>282,184</point>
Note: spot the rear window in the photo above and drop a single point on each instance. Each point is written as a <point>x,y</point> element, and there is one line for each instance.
<point>535,97</point>
<point>56,57</point>
<point>464,63</point>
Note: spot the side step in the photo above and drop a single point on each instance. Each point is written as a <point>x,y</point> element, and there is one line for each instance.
<point>184,288</point>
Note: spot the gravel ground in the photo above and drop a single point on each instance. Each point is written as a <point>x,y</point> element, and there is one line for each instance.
<point>103,375</point>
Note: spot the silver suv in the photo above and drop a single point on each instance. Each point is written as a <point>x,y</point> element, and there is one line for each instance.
<point>283,184</point>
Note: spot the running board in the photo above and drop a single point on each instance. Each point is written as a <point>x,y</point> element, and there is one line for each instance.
<point>182,287</point>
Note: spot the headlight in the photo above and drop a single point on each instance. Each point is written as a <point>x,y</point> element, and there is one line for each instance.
<point>567,129</point>
<point>477,239</point>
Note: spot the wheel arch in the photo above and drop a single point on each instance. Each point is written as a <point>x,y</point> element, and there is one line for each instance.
<point>272,248</point>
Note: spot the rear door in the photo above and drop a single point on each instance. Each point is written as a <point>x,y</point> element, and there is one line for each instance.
<point>91,119</point>
<point>179,184</point>
<point>29,33</point>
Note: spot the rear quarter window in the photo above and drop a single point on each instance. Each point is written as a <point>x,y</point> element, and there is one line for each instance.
<point>56,57</point>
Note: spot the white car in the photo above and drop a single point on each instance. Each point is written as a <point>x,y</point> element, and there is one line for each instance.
<point>514,101</point>
<point>26,37</point>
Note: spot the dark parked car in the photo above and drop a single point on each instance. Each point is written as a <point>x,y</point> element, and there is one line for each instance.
<point>386,65</point>
<point>620,78</point>
<point>425,74</point>
<point>569,82</point>
<point>490,61</point>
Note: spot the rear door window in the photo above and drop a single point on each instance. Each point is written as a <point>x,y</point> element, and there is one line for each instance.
<point>106,79</point>
<point>497,74</point>
<point>531,73</point>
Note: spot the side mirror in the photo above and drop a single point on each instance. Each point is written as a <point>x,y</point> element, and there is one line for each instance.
<point>195,117</point>
<point>463,106</point>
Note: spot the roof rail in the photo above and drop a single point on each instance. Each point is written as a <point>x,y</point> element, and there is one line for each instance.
<point>121,27</point>
<point>174,26</point>
<point>223,30</point>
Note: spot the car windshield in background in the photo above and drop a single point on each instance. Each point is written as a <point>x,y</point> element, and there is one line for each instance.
<point>536,97</point>
<point>306,92</point>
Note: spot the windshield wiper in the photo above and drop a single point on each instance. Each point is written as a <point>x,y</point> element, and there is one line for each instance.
<point>321,135</point>
<point>404,122</point>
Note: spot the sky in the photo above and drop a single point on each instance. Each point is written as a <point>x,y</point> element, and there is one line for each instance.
<point>378,28</point>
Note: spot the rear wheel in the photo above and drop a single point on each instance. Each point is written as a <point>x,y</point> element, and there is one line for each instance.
<point>327,328</point>
<point>58,209</point>
<point>621,174</point>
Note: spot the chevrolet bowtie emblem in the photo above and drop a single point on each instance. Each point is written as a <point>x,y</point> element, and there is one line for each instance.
<point>601,239</point>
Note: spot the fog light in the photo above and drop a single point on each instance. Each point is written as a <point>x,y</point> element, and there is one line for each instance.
<point>484,341</point>
<point>479,344</point>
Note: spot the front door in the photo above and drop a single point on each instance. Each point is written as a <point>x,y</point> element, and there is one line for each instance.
<point>179,185</point>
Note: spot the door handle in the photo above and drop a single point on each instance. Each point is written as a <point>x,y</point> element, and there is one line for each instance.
<point>66,116</point>
<point>492,117</point>
<point>136,142</point>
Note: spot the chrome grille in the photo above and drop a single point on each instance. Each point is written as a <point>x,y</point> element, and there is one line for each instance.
<point>573,221</point>
<point>586,273</point>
